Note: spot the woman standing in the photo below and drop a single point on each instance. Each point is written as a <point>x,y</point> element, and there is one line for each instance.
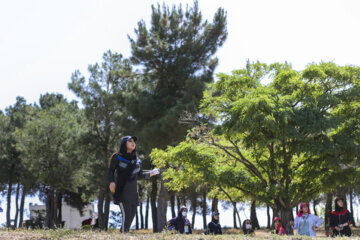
<point>128,168</point>
<point>305,222</point>
<point>341,219</point>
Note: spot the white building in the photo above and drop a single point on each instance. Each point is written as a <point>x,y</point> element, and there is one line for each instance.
<point>70,215</point>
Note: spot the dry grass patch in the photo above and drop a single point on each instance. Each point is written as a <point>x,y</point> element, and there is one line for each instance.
<point>23,234</point>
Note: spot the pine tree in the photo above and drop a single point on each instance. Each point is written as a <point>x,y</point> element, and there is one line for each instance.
<point>176,59</point>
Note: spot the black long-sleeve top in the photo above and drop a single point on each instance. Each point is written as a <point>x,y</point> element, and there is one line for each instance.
<point>129,169</point>
<point>341,217</point>
<point>213,227</point>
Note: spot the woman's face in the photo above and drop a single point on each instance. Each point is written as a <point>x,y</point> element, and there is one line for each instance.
<point>305,209</point>
<point>276,223</point>
<point>340,203</point>
<point>184,212</point>
<point>216,217</point>
<point>130,145</point>
<point>248,225</point>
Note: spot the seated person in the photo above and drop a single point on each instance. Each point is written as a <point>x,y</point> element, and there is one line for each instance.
<point>341,219</point>
<point>278,228</point>
<point>246,227</point>
<point>180,223</point>
<point>214,226</point>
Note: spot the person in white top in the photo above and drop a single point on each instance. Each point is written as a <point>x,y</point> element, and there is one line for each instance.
<point>305,222</point>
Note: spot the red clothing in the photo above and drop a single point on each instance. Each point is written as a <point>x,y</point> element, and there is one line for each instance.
<point>280,231</point>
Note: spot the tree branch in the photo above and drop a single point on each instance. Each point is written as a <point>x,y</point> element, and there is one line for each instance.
<point>247,163</point>
<point>254,196</point>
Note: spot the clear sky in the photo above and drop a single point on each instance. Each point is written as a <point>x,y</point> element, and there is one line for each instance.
<point>43,42</point>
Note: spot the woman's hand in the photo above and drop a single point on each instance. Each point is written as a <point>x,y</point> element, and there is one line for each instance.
<point>112,187</point>
<point>154,172</point>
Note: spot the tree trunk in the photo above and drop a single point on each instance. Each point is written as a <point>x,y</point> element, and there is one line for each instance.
<point>136,220</point>
<point>268,216</point>
<point>193,206</point>
<point>153,204</point>
<point>17,205</point>
<point>328,210</point>
<point>162,207</point>
<point>147,212</point>
<point>253,217</point>
<point>101,216</point>
<point>237,213</point>
<point>314,207</point>
<point>183,200</point>
<point>47,209</point>
<point>107,210</point>
<point>172,204</point>
<point>286,216</point>
<point>275,213</point>
<point>351,207</point>
<point>8,207</point>
<point>50,209</point>
<point>141,216</point>
<point>59,210</point>
<point>22,203</point>
<point>204,209</point>
<point>141,200</point>
<point>54,209</point>
<point>178,202</point>
<point>214,205</point>
<point>234,216</point>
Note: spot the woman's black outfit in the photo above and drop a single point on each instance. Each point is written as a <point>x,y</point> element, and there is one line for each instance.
<point>338,217</point>
<point>128,168</point>
<point>180,223</point>
<point>213,227</point>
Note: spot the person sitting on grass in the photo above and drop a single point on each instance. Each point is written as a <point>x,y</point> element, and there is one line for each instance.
<point>341,219</point>
<point>180,223</point>
<point>247,228</point>
<point>278,228</point>
<point>214,226</point>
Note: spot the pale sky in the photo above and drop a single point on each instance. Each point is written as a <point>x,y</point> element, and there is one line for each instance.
<point>43,42</point>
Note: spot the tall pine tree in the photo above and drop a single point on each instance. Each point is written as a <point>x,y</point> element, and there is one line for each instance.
<point>176,58</point>
<point>103,100</point>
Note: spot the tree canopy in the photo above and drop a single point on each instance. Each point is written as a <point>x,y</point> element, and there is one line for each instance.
<point>280,143</point>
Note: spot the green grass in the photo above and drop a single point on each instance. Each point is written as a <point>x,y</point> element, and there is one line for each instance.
<point>65,233</point>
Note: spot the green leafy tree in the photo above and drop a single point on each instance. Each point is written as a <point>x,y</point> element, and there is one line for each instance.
<point>277,143</point>
<point>103,98</point>
<point>284,134</point>
<point>12,171</point>
<point>195,165</point>
<point>176,59</point>
<point>47,144</point>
